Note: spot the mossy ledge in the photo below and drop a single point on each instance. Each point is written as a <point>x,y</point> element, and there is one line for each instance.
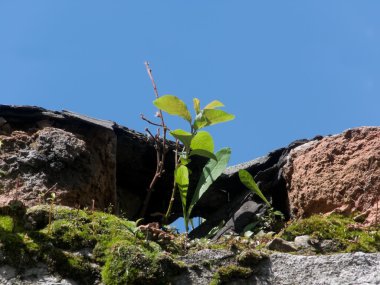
<point>346,233</point>
<point>93,247</point>
<point>86,246</point>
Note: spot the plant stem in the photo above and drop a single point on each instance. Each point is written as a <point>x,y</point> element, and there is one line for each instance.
<point>171,202</point>
<point>160,146</point>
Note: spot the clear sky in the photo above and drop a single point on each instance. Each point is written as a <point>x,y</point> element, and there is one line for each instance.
<point>286,69</point>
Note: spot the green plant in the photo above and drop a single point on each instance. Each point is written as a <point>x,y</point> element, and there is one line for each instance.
<point>338,228</point>
<point>51,209</point>
<point>247,179</point>
<point>195,142</point>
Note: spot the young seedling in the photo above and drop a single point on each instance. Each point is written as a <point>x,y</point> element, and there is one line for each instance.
<point>51,209</point>
<point>247,179</point>
<point>196,142</point>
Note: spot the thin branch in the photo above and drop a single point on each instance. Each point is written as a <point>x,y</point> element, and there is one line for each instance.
<point>149,121</point>
<point>160,150</point>
<point>152,136</point>
<point>171,202</point>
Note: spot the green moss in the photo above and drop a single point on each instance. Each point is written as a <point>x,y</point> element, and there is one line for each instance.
<point>229,273</point>
<point>6,223</point>
<point>68,265</point>
<point>129,264</point>
<point>338,228</point>
<point>250,257</point>
<point>14,250</point>
<point>126,256</point>
<point>121,254</point>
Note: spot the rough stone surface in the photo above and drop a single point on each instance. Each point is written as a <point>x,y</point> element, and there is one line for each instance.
<point>288,269</point>
<point>86,159</point>
<point>353,268</point>
<point>339,173</point>
<point>278,244</point>
<point>38,275</point>
<point>278,269</point>
<point>53,160</point>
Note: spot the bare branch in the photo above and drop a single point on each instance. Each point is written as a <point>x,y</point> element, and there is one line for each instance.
<point>160,145</point>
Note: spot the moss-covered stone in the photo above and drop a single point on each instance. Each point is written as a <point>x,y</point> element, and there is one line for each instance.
<point>120,253</point>
<point>92,246</point>
<point>342,229</point>
<point>229,273</point>
<point>250,257</point>
<point>128,264</point>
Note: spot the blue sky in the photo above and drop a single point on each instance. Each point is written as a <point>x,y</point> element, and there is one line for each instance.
<point>286,69</point>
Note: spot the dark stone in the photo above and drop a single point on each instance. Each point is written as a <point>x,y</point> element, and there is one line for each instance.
<point>97,162</point>
<point>227,196</point>
<point>278,244</point>
<point>92,162</point>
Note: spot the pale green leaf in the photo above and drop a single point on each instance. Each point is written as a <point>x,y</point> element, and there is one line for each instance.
<point>197,105</point>
<point>184,160</point>
<point>217,116</point>
<point>250,183</point>
<point>183,136</point>
<point>202,140</point>
<point>215,230</point>
<point>214,104</point>
<point>173,106</point>
<point>200,121</point>
<point>181,176</point>
<point>209,117</point>
<point>204,153</point>
<point>211,171</point>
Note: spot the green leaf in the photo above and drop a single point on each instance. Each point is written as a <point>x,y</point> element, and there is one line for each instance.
<point>202,140</point>
<point>251,226</point>
<point>279,214</point>
<point>212,170</point>
<point>200,121</point>
<point>217,116</point>
<point>209,117</point>
<point>214,104</point>
<point>182,180</point>
<point>181,176</point>
<point>215,230</point>
<point>184,160</point>
<point>248,181</point>
<point>204,153</point>
<point>173,106</point>
<point>183,136</point>
<point>197,105</point>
